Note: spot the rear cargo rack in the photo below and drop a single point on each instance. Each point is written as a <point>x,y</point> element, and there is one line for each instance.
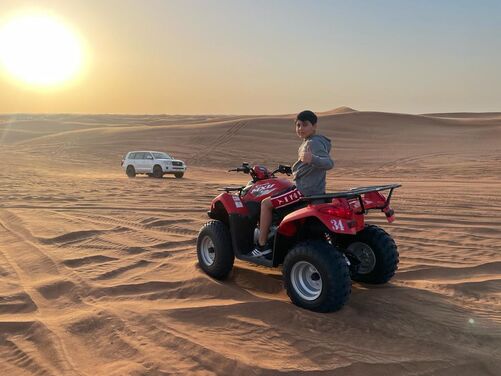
<point>356,193</point>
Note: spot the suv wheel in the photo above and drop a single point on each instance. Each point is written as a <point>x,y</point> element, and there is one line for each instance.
<point>179,175</point>
<point>131,171</point>
<point>157,171</point>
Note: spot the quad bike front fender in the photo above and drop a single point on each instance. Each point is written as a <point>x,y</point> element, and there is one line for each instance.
<point>231,204</point>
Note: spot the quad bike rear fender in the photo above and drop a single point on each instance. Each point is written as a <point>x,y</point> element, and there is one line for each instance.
<point>342,215</point>
<point>335,218</point>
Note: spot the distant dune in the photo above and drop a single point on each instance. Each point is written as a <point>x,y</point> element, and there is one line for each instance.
<point>468,115</point>
<point>338,110</point>
<point>99,272</point>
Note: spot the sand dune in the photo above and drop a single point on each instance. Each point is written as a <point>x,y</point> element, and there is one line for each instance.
<point>99,273</point>
<point>468,115</point>
<point>337,110</point>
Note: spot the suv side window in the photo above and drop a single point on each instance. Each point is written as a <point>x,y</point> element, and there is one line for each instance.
<point>131,156</point>
<point>148,156</point>
<point>139,156</point>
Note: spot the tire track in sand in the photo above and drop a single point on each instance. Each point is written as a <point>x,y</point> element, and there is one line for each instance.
<point>32,266</point>
<point>221,140</point>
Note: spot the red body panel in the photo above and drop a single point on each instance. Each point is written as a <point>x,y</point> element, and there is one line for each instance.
<point>231,203</point>
<point>342,216</point>
<point>258,192</point>
<point>350,225</point>
<point>266,188</point>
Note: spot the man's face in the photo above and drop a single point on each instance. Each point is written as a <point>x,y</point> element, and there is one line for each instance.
<point>305,129</point>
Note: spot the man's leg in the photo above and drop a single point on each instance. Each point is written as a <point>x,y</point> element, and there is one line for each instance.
<point>265,220</point>
<point>262,249</point>
<point>267,207</point>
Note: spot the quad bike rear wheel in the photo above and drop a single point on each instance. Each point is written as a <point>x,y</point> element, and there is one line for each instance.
<point>316,276</point>
<point>377,254</point>
<point>214,249</point>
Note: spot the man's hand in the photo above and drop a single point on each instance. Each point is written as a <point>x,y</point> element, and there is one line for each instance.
<point>305,156</point>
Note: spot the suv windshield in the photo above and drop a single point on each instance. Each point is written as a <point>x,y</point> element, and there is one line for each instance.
<point>161,156</point>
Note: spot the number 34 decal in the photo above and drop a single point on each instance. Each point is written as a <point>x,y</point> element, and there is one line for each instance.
<point>337,224</point>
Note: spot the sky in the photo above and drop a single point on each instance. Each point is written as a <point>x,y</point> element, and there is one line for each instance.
<point>270,57</point>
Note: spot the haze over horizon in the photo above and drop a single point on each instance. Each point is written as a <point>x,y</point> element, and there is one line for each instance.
<point>252,58</point>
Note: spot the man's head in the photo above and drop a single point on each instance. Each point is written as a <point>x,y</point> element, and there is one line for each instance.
<point>306,124</point>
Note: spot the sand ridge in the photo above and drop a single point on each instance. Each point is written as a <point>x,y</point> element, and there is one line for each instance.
<point>99,272</point>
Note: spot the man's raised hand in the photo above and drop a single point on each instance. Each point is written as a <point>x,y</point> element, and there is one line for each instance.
<point>305,156</point>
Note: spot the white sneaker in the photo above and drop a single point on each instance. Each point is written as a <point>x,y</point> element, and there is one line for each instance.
<point>261,251</point>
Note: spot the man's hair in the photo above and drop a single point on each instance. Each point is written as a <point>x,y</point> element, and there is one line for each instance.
<point>307,115</point>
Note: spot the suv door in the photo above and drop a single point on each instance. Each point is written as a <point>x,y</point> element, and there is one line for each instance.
<point>139,162</point>
<point>148,161</point>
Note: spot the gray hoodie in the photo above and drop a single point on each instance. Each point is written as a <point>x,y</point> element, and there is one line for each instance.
<point>310,178</point>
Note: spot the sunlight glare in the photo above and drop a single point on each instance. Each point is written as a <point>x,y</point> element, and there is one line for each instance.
<point>39,50</point>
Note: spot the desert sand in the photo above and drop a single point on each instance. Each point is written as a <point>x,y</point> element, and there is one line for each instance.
<point>99,272</point>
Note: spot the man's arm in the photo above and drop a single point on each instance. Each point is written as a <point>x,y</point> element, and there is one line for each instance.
<point>320,157</point>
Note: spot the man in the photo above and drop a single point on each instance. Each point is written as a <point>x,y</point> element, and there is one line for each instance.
<point>309,176</point>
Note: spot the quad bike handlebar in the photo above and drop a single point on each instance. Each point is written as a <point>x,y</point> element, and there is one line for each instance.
<point>257,173</point>
<point>247,169</point>
<point>283,169</point>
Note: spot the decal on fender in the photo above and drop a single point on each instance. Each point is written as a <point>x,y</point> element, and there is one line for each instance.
<point>337,224</point>
<point>264,189</point>
<point>238,203</point>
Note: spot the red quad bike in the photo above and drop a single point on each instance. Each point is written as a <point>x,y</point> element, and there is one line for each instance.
<point>320,243</point>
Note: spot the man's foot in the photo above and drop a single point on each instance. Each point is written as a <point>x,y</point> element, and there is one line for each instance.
<point>261,251</point>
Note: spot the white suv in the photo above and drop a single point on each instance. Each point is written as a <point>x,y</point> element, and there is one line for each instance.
<point>152,163</point>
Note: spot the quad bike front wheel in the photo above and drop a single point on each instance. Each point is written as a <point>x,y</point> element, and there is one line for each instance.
<point>214,249</point>
<point>377,254</point>
<point>316,276</point>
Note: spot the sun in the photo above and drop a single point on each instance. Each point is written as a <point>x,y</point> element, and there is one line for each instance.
<point>39,50</point>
